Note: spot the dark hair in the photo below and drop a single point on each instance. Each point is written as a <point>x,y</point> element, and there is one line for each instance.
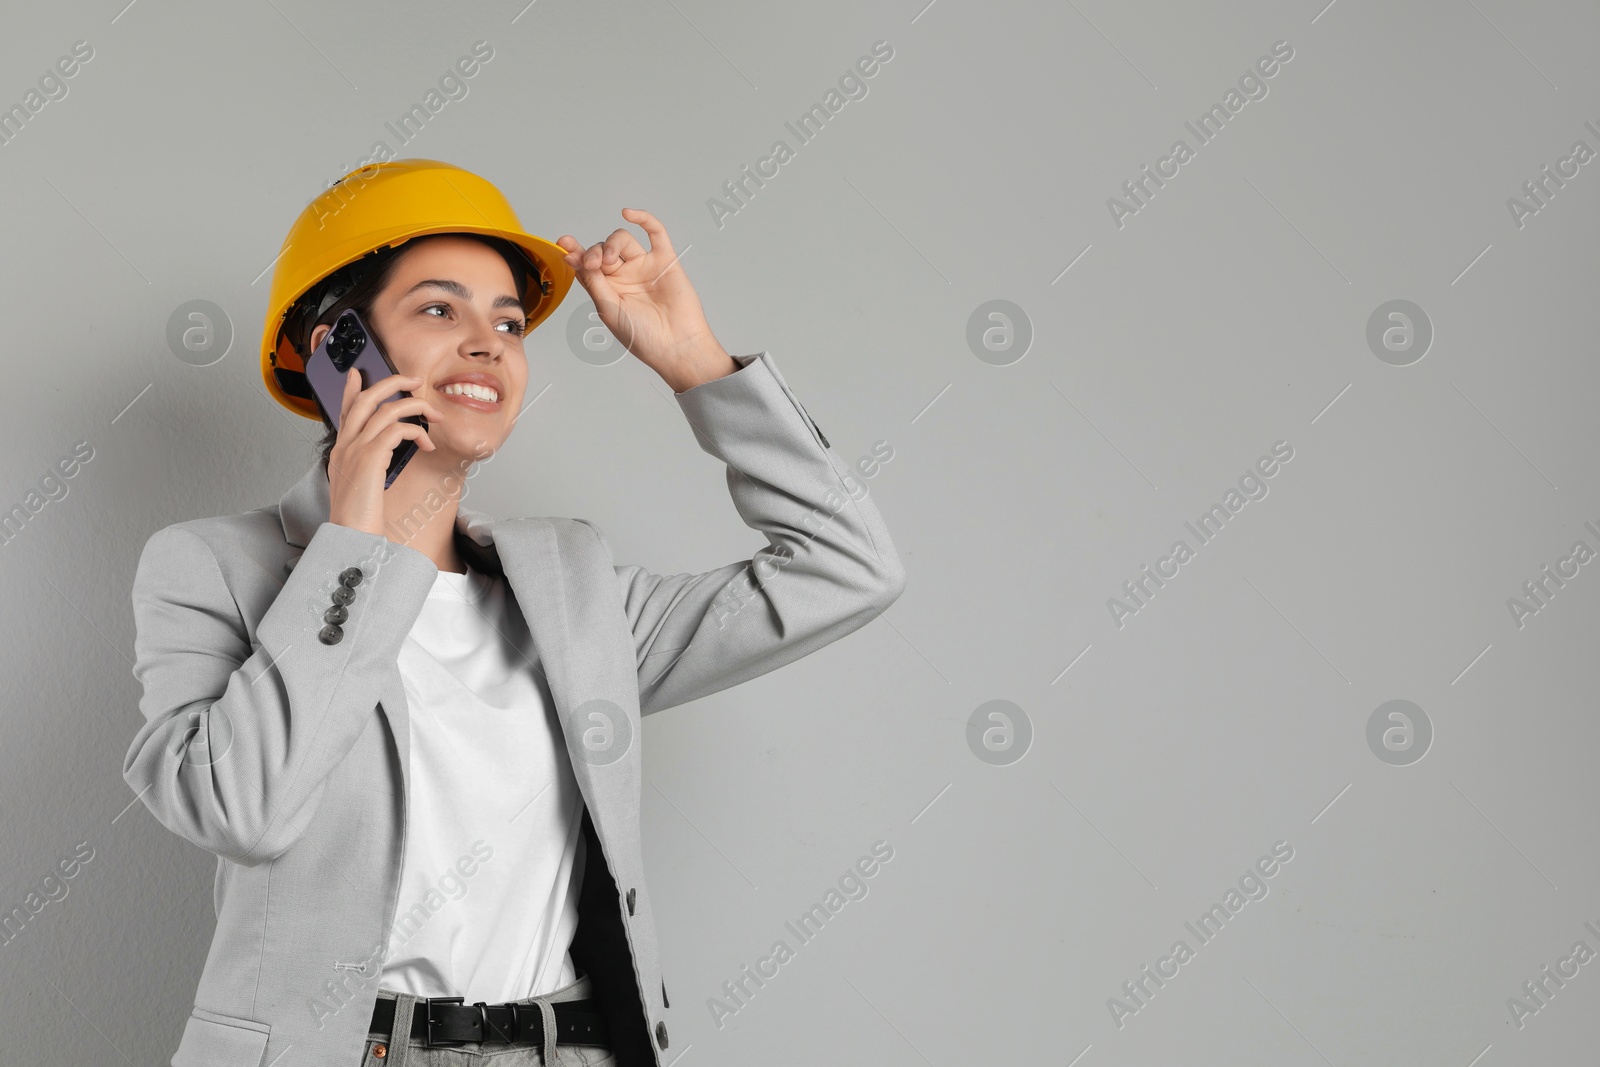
<point>357,285</point>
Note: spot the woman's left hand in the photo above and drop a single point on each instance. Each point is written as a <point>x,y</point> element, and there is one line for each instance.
<point>645,300</point>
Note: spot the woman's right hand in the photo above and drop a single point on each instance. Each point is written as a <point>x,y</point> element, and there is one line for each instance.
<point>369,432</point>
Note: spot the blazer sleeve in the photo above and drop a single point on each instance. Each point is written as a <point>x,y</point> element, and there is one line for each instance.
<point>239,738</point>
<point>828,568</point>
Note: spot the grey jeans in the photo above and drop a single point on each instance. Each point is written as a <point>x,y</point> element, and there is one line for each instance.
<point>383,1051</point>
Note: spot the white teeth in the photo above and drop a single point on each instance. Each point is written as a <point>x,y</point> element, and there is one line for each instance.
<point>478,392</point>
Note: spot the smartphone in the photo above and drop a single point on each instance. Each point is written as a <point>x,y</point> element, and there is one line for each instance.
<point>350,347</point>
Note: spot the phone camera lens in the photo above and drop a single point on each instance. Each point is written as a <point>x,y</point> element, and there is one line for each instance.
<point>345,341</point>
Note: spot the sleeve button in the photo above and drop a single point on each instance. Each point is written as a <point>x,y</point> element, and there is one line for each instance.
<point>331,634</point>
<point>661,1034</point>
<point>336,614</point>
<point>343,595</point>
<point>350,576</point>
<point>631,894</point>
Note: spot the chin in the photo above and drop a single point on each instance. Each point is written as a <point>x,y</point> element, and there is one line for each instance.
<point>472,452</point>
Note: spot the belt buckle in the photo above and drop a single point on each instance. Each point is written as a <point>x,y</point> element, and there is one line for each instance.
<point>428,1004</point>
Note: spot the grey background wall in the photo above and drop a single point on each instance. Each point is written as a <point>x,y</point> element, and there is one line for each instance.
<point>1431,458</point>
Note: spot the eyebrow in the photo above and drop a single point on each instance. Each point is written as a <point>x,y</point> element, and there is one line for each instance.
<point>454,287</point>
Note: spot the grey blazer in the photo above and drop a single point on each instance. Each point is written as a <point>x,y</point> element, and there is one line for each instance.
<point>278,741</point>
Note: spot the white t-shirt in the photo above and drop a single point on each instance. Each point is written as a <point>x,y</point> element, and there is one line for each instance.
<point>493,859</point>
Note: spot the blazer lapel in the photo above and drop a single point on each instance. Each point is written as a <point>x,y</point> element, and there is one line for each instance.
<point>540,578</point>
<point>565,586</point>
<point>525,551</point>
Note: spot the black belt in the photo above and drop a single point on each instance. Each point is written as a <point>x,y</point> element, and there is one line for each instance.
<point>449,1022</point>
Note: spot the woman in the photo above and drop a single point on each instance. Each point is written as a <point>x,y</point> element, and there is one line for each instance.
<point>409,732</point>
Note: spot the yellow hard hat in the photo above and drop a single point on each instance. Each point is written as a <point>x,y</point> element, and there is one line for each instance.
<point>384,205</point>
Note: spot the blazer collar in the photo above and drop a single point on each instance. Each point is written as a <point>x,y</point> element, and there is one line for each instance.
<point>306,506</point>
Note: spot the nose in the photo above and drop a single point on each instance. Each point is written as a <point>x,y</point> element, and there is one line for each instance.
<point>484,341</point>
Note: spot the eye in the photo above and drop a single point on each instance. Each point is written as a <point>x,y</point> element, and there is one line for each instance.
<point>519,327</point>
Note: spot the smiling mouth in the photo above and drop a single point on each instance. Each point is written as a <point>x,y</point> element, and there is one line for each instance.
<point>474,396</point>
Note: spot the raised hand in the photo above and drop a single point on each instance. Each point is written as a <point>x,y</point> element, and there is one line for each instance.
<point>644,298</point>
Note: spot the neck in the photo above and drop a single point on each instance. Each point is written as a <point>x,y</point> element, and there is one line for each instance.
<point>420,508</point>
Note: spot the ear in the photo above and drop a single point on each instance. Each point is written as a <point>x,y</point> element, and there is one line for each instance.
<point>318,333</point>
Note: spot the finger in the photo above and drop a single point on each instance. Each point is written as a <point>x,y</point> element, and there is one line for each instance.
<point>574,250</point>
<point>572,247</point>
<point>623,246</point>
<point>659,241</point>
<point>367,400</point>
<point>611,250</point>
<point>389,416</point>
<point>593,279</point>
<point>598,287</point>
<point>350,415</point>
<point>399,408</point>
<point>391,436</point>
<point>394,410</point>
<point>586,261</point>
<point>347,399</point>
